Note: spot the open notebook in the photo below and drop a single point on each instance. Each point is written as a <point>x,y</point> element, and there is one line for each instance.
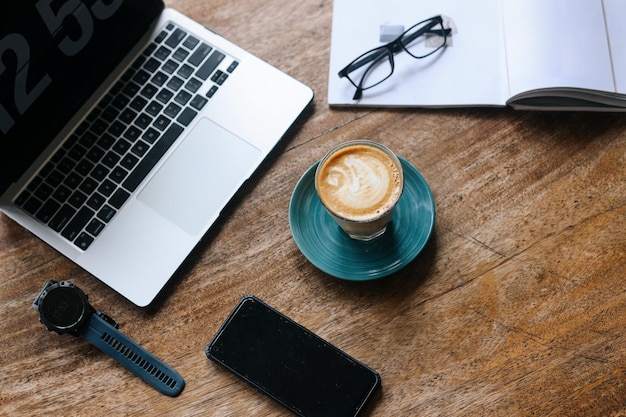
<point>529,54</point>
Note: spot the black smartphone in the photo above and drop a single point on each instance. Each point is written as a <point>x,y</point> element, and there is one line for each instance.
<point>291,364</point>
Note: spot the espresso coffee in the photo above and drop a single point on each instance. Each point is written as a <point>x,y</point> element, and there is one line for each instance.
<point>359,183</point>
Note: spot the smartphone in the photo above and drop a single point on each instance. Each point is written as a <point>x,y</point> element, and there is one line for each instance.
<point>291,364</point>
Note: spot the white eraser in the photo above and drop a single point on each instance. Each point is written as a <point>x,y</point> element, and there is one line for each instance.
<point>390,32</point>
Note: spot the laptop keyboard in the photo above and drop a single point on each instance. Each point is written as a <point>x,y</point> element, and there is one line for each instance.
<point>79,191</point>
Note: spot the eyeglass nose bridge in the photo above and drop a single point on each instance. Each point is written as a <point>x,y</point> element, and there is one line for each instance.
<point>395,46</point>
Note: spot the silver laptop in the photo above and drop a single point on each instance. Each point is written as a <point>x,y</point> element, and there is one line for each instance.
<point>125,128</point>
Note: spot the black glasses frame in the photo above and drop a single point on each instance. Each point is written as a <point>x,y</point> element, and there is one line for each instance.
<point>387,51</point>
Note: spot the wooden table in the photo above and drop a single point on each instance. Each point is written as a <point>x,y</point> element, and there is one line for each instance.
<point>516,306</point>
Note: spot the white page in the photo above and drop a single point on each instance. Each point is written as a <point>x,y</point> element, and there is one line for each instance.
<point>469,72</point>
<point>556,43</point>
<point>615,13</point>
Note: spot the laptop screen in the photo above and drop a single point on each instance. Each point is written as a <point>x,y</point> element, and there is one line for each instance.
<point>53,55</point>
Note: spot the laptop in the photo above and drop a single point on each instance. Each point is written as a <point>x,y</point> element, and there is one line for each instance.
<point>126,128</point>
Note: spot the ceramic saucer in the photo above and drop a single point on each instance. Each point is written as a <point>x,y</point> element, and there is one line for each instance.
<point>327,247</point>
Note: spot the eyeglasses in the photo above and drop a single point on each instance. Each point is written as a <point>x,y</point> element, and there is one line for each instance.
<point>375,66</point>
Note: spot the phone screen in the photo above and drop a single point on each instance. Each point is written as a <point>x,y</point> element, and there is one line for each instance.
<point>290,363</point>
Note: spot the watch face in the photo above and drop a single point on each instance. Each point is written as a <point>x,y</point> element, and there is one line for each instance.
<point>63,307</point>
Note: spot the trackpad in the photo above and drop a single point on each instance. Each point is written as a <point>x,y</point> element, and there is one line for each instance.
<point>200,177</point>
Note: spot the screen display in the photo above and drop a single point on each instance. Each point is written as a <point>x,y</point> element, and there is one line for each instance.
<point>290,363</point>
<point>53,55</point>
<point>62,307</point>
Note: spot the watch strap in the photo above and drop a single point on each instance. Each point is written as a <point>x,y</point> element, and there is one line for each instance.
<point>133,357</point>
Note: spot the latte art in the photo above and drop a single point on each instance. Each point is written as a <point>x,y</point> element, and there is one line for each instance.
<point>359,182</point>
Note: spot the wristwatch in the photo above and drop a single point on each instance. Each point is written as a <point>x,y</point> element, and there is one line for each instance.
<point>64,308</point>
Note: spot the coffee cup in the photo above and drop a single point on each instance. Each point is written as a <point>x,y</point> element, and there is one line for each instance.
<point>359,183</point>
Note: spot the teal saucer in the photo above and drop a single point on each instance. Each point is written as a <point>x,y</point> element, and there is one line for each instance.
<point>327,247</point>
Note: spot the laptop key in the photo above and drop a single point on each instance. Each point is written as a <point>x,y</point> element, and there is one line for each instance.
<point>107,187</point>
<point>83,241</point>
<point>129,161</point>
<point>138,103</point>
<point>47,211</point>
<point>140,148</point>
<point>95,201</point>
<point>162,53</point>
<point>94,227</point>
<point>172,110</point>
<point>175,83</point>
<point>95,154</point>
<point>106,213</point>
<point>154,108</point>
<point>209,65</point>
<point>185,71</point>
<point>159,78</point>
<point>132,133</point>
<point>143,121</point>
<point>212,91</point>
<point>190,42</point>
<point>199,54</point>
<point>115,130</point>
<point>61,219</point>
<point>131,89</point>
<point>151,135</point>
<point>73,180</point>
<point>232,66</point>
<point>182,97</point>
<point>175,38</point>
<point>164,96</point>
<point>179,55</point>
<point>117,175</point>
<point>44,192</point>
<point>147,52</point>
<point>151,65</point>
<point>88,186</point>
<point>193,85</point>
<point>219,77</point>
<point>161,122</point>
<point>198,102</point>
<point>170,66</point>
<point>100,172</point>
<point>62,194</point>
<point>110,159</point>
<point>149,91</point>
<point>121,146</point>
<point>119,198</point>
<point>110,114</point>
<point>32,205</point>
<point>77,198</point>
<point>78,222</point>
<point>187,116</point>
<point>162,35</point>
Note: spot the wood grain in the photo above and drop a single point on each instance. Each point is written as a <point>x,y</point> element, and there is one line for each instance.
<point>516,306</point>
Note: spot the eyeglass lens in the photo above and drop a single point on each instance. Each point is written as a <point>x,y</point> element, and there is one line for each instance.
<point>377,67</point>
<point>424,38</point>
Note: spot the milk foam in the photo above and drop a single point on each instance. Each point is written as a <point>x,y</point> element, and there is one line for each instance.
<point>359,182</point>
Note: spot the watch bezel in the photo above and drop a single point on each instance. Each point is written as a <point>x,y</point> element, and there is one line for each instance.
<point>84,310</point>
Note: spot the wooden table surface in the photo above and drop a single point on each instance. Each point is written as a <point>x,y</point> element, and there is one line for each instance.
<point>516,306</point>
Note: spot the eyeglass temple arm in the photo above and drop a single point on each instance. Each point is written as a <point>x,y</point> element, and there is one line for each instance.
<point>365,60</point>
<point>426,29</point>
<point>359,89</point>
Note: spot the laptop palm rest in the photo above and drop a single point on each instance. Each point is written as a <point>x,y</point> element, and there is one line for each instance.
<point>200,177</point>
